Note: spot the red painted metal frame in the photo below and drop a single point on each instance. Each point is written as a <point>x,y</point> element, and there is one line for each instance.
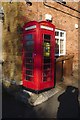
<point>37,84</point>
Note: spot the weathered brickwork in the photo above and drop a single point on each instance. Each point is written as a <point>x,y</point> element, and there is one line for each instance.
<point>17,14</point>
<point>65,22</point>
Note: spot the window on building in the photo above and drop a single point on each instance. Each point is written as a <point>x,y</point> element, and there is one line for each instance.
<point>60,37</point>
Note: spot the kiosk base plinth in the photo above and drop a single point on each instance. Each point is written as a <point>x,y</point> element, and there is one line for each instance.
<point>36,99</point>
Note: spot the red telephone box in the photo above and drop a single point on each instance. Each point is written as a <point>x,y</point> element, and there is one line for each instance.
<point>38,56</point>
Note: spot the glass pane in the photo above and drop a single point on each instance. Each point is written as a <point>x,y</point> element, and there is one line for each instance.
<point>47,75</point>
<point>57,46</point>
<point>28,37</point>
<point>61,34</point>
<point>28,54</point>
<point>57,41</point>
<point>47,67</point>
<point>61,51</point>
<point>46,58</point>
<point>57,33</point>
<point>47,37</point>
<point>46,49</point>
<point>28,72</point>
<point>61,45</point>
<point>29,78</point>
<point>60,42</point>
<point>29,66</point>
<point>29,60</point>
<point>29,50</point>
<point>29,42</point>
<point>29,46</point>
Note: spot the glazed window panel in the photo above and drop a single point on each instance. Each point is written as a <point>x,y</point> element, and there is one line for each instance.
<point>28,72</point>
<point>29,60</point>
<point>28,37</point>
<point>29,78</point>
<point>60,38</point>
<point>57,33</point>
<point>46,57</point>
<point>29,66</point>
<point>61,46</point>
<point>57,46</point>
<point>29,46</point>
<point>61,34</point>
<point>29,50</point>
<point>29,54</point>
<point>47,37</point>
<point>46,48</point>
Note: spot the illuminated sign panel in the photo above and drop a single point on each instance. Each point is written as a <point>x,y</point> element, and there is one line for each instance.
<point>31,27</point>
<point>46,27</point>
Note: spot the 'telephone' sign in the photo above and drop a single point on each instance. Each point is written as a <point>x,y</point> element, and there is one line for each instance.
<point>46,27</point>
<point>31,27</point>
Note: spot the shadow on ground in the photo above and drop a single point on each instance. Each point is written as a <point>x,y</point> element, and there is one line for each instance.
<point>13,108</point>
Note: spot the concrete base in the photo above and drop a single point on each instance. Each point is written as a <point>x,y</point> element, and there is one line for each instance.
<point>42,97</point>
<point>36,99</point>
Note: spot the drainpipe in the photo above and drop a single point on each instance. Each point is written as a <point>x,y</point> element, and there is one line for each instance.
<point>1,24</point>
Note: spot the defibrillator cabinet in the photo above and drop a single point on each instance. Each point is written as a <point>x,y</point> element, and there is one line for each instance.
<point>38,41</point>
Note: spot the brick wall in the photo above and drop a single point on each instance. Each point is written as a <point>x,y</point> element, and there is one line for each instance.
<point>17,14</point>
<point>62,21</point>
